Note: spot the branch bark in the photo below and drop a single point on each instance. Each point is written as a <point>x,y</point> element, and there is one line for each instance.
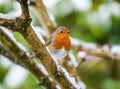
<point>22,25</point>
<point>47,24</point>
<point>16,55</point>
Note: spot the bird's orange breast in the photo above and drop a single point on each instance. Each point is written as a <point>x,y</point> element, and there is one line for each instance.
<point>62,41</point>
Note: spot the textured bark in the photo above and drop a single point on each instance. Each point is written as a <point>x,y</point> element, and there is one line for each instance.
<point>47,24</point>
<point>22,25</point>
<point>18,56</point>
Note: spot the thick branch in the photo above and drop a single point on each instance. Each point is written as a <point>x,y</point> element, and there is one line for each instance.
<point>67,63</point>
<point>7,53</point>
<point>40,51</point>
<point>25,9</point>
<point>45,58</point>
<point>47,24</point>
<point>7,23</point>
<point>18,56</point>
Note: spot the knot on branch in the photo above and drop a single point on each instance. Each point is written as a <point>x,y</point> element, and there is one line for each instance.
<point>22,24</point>
<point>23,21</point>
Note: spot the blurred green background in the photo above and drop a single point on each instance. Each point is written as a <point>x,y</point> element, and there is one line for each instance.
<point>95,21</point>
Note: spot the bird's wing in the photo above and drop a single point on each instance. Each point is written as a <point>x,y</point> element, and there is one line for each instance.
<point>49,40</point>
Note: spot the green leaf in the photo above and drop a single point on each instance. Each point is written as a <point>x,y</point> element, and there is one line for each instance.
<point>20,39</point>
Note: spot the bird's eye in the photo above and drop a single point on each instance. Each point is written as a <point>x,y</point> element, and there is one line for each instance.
<point>61,31</point>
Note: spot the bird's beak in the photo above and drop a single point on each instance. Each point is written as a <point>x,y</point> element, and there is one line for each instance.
<point>68,32</point>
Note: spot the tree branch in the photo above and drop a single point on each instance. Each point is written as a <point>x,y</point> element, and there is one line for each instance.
<point>24,8</point>
<point>41,52</point>
<point>18,56</point>
<point>7,23</point>
<point>43,16</point>
<point>47,24</point>
<point>23,26</point>
<point>92,49</point>
<point>7,53</point>
<point>95,55</point>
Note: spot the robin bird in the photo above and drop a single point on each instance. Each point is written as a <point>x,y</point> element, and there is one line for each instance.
<point>59,43</point>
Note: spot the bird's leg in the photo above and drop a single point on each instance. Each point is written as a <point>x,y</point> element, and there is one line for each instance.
<point>59,71</point>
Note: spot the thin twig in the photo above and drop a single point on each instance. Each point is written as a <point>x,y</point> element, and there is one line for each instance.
<point>43,16</point>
